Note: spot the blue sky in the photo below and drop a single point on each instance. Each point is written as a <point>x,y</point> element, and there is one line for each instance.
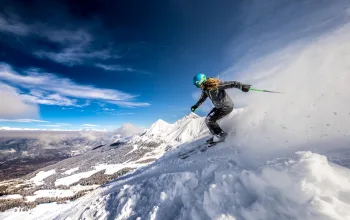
<point>70,64</point>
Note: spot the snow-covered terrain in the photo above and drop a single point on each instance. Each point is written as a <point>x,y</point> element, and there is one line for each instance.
<point>14,196</point>
<point>58,192</point>
<point>287,155</point>
<point>70,171</point>
<point>59,182</point>
<point>38,179</point>
<point>69,180</point>
<point>162,136</point>
<point>25,151</point>
<point>304,186</point>
<point>108,169</point>
<point>126,154</point>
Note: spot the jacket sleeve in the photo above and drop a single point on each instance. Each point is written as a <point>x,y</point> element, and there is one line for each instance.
<point>203,97</point>
<point>230,84</point>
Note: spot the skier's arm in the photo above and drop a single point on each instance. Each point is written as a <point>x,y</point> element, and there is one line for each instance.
<point>230,84</point>
<point>203,97</point>
<point>234,84</point>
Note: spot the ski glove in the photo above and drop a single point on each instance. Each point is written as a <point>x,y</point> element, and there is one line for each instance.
<point>193,108</point>
<point>245,88</point>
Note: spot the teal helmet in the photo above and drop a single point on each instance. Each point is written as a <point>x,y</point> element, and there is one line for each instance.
<point>199,79</point>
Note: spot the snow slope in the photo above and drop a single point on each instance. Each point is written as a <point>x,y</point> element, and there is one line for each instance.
<point>59,192</point>
<point>14,196</point>
<point>299,187</point>
<point>70,171</point>
<point>38,179</point>
<point>216,185</point>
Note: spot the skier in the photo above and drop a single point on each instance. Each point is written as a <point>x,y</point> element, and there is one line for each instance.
<point>215,89</point>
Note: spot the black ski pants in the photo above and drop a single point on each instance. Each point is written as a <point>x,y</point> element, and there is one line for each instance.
<point>215,115</point>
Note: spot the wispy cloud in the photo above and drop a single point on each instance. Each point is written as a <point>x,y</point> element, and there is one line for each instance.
<point>115,68</point>
<point>89,125</point>
<point>130,104</point>
<point>49,89</point>
<point>64,124</point>
<point>75,54</point>
<point>108,109</point>
<point>75,46</point>
<point>13,26</point>
<point>53,126</point>
<point>124,113</point>
<point>23,120</point>
<point>57,125</point>
<point>105,110</point>
<point>50,99</point>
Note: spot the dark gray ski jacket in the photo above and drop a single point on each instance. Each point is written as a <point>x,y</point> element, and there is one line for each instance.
<point>219,97</point>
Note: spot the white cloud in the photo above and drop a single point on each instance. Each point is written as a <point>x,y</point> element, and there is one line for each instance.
<point>64,124</point>
<point>53,126</point>
<point>89,125</point>
<point>23,120</point>
<point>52,134</point>
<point>52,99</point>
<point>49,89</point>
<point>13,26</point>
<point>124,113</point>
<point>13,105</point>
<point>129,129</point>
<point>76,49</point>
<point>76,45</point>
<point>104,110</point>
<point>33,77</point>
<point>115,68</point>
<point>74,55</point>
<point>130,104</point>
<point>17,129</point>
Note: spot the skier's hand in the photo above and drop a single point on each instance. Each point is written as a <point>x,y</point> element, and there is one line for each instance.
<point>193,108</point>
<point>245,88</point>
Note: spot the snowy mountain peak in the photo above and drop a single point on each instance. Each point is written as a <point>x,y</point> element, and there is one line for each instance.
<point>184,129</point>
<point>158,127</point>
<point>186,119</point>
<point>192,115</point>
<point>161,122</point>
<point>162,127</point>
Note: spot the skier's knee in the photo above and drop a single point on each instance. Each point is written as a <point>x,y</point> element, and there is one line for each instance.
<point>208,120</point>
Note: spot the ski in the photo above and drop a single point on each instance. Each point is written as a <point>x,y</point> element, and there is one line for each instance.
<point>200,148</point>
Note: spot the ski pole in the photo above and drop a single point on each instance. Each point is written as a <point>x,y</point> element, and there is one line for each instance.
<point>263,90</point>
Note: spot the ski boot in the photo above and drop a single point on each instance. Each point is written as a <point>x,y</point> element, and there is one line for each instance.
<point>217,138</point>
